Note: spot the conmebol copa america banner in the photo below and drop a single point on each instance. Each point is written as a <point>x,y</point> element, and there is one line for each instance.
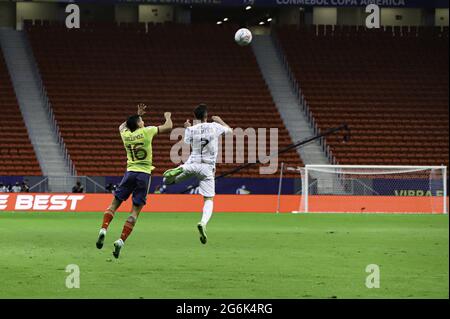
<point>279,3</point>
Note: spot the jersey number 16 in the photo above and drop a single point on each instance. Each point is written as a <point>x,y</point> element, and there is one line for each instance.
<point>137,152</point>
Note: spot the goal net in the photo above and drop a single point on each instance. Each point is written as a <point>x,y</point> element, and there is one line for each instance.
<point>373,189</point>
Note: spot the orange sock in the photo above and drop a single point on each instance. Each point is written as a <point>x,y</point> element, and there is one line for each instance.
<point>107,218</point>
<point>128,228</point>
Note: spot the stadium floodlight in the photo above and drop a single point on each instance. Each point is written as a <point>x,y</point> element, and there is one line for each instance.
<point>374,189</point>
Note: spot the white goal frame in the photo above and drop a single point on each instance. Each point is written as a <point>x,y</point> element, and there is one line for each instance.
<point>309,167</point>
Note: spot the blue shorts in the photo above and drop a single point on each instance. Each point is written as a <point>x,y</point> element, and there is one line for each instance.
<point>135,183</point>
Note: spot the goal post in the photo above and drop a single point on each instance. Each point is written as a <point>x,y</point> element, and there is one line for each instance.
<point>374,189</point>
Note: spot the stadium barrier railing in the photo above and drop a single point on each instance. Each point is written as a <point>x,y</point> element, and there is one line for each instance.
<point>65,183</point>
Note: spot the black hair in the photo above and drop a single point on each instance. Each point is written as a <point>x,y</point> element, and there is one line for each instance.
<point>200,111</point>
<point>132,122</point>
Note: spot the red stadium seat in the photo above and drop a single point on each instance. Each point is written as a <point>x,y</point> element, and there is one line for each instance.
<point>390,86</point>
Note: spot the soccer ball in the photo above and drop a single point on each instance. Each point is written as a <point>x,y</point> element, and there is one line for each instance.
<point>243,37</point>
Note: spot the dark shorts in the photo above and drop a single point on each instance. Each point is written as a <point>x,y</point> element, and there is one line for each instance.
<point>135,183</point>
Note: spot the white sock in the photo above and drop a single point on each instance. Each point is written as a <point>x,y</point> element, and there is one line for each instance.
<point>207,211</point>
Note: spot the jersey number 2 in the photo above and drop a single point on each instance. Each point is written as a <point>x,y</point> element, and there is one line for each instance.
<point>203,143</point>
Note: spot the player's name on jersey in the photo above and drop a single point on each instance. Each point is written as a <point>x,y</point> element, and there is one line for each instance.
<point>133,138</point>
<point>202,131</point>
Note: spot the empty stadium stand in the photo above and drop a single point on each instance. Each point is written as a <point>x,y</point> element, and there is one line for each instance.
<point>390,86</point>
<point>17,157</point>
<point>95,76</point>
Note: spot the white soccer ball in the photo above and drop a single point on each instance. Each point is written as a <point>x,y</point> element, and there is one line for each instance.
<point>243,36</point>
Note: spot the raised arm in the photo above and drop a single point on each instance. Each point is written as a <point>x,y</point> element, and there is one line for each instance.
<point>141,111</point>
<point>218,120</point>
<point>168,125</point>
<point>123,127</point>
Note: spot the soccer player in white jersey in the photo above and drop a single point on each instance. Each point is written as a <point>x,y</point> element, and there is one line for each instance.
<point>204,139</point>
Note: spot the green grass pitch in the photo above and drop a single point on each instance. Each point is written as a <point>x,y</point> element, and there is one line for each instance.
<point>247,256</point>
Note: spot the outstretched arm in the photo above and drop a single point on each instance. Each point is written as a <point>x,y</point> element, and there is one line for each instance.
<point>168,125</point>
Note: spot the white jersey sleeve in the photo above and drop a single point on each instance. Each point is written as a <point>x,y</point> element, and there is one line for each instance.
<point>188,135</point>
<point>220,129</point>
